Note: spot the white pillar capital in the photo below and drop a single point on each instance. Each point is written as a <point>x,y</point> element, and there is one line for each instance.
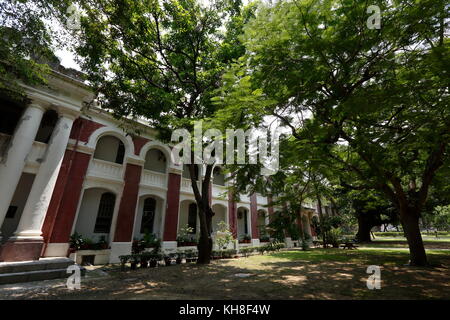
<point>72,115</point>
<point>37,106</point>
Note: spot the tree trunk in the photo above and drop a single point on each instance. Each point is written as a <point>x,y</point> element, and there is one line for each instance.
<point>205,242</point>
<point>364,227</point>
<point>319,211</point>
<point>410,222</point>
<point>205,214</point>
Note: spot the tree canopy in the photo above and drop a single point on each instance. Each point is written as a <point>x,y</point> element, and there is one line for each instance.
<point>380,94</point>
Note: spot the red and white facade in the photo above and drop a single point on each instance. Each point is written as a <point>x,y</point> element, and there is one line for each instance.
<point>67,169</point>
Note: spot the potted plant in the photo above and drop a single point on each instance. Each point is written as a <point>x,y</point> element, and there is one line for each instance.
<point>194,256</point>
<point>134,260</point>
<point>168,259</point>
<point>180,256</point>
<point>186,237</point>
<point>123,260</point>
<point>151,241</point>
<point>188,255</point>
<point>87,244</point>
<point>145,258</point>
<point>154,261</point>
<point>75,242</point>
<point>102,244</point>
<point>245,239</point>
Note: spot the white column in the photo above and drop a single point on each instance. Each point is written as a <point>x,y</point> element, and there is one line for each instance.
<point>33,215</point>
<point>19,148</point>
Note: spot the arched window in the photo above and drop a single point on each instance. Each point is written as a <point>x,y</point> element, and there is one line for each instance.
<point>110,149</point>
<point>218,177</point>
<point>148,215</point>
<point>48,123</point>
<point>155,160</point>
<point>105,213</point>
<point>192,217</point>
<point>186,173</point>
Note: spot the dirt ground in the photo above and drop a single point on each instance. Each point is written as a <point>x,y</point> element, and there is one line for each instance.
<point>315,274</point>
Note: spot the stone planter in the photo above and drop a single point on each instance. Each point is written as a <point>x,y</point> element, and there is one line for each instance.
<point>187,244</point>
<point>100,256</point>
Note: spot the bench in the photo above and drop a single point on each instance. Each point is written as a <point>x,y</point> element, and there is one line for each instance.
<point>349,245</point>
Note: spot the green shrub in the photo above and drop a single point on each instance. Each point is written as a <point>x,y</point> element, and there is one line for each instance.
<point>247,250</point>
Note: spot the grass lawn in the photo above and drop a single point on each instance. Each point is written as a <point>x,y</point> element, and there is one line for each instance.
<point>291,274</point>
<point>430,242</point>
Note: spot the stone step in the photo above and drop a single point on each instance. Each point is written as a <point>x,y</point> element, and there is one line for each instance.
<point>8,278</point>
<point>40,265</point>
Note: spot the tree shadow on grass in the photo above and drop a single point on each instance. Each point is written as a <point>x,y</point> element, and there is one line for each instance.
<point>315,274</point>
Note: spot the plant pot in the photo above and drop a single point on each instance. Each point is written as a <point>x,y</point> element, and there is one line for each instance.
<point>144,264</point>
<point>186,244</point>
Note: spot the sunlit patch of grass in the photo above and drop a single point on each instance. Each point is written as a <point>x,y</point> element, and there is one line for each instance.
<point>363,255</point>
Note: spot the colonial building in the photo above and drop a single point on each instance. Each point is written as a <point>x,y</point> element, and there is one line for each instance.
<point>66,169</point>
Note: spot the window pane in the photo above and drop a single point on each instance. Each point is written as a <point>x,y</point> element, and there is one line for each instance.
<point>105,213</point>
<point>148,215</point>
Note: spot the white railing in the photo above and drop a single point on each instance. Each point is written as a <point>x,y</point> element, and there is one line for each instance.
<point>37,153</point>
<point>105,169</point>
<point>262,201</point>
<point>244,198</point>
<point>154,179</point>
<point>186,185</point>
<point>219,191</point>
